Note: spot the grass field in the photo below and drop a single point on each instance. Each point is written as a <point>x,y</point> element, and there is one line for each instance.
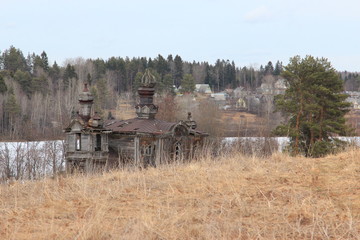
<point>230,197</point>
<point>243,124</point>
<point>353,119</point>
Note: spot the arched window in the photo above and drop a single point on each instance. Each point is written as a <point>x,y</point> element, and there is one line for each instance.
<point>177,151</point>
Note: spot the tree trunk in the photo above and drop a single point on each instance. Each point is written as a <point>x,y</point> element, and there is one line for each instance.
<point>312,140</point>
<point>321,123</point>
<point>297,127</point>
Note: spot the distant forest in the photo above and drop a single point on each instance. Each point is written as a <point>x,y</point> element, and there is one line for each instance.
<point>37,98</point>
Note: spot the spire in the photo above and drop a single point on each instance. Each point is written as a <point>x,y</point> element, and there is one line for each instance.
<point>146,107</point>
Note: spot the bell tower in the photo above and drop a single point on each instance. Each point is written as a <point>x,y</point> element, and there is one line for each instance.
<point>86,100</point>
<point>146,108</point>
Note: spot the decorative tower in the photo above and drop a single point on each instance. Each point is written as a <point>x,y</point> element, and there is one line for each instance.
<point>146,108</point>
<point>190,122</point>
<point>86,101</point>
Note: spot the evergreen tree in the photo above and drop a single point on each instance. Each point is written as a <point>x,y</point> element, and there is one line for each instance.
<point>191,67</point>
<point>25,81</point>
<point>137,82</point>
<point>40,84</point>
<point>100,67</point>
<point>69,74</point>
<point>44,61</point>
<point>13,60</point>
<point>150,63</point>
<point>162,66</point>
<point>261,72</point>
<point>54,72</point>
<point>143,64</point>
<point>12,111</point>
<point>220,70</point>
<point>188,84</point>
<point>11,106</point>
<point>315,105</point>
<point>131,70</point>
<point>112,64</point>
<point>29,63</point>
<point>121,76</point>
<point>167,83</point>
<point>209,76</point>
<point>269,68</point>
<point>278,68</point>
<point>230,75</point>
<point>170,58</point>
<point>178,70</point>
<point>37,63</point>
<point>3,87</point>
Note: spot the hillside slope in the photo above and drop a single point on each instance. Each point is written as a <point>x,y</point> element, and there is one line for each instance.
<point>233,197</point>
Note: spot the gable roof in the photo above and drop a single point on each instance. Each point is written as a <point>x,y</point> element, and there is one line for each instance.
<point>82,126</point>
<point>73,122</point>
<point>203,88</point>
<point>139,125</point>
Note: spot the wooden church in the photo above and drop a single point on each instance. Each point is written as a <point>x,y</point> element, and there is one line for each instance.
<point>93,144</point>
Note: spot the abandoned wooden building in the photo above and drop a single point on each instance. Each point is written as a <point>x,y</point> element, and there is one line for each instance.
<point>92,143</point>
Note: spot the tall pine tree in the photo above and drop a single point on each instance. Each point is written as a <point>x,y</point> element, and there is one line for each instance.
<point>315,104</point>
<point>3,87</point>
<point>178,70</point>
<point>188,84</point>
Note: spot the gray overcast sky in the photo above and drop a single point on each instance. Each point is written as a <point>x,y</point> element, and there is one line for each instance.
<point>250,32</point>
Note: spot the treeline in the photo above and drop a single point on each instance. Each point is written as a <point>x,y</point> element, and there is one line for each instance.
<point>37,98</point>
<point>351,81</point>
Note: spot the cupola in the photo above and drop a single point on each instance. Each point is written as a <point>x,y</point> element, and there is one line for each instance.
<point>146,108</point>
<point>86,100</point>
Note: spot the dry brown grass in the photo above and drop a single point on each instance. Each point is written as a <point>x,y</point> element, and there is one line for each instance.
<point>353,119</point>
<point>233,197</point>
<point>243,124</point>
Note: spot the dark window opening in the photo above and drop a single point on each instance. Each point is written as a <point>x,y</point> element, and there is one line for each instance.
<point>177,151</point>
<point>98,142</point>
<point>78,142</point>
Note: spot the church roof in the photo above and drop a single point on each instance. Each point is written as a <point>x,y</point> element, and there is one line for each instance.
<point>139,125</point>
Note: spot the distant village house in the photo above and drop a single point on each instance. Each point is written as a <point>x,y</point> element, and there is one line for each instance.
<point>203,88</point>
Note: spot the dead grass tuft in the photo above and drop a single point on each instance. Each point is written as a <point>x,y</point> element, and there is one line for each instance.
<point>230,197</point>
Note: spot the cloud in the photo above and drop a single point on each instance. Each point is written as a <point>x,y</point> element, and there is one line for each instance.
<point>259,14</point>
